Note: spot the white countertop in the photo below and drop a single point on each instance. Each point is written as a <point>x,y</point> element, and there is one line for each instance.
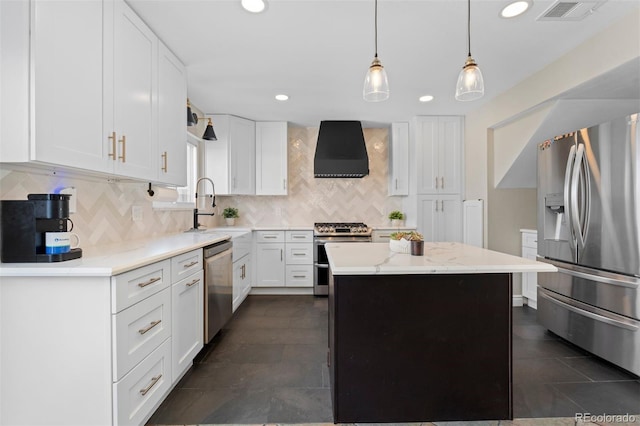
<point>117,258</point>
<point>439,258</point>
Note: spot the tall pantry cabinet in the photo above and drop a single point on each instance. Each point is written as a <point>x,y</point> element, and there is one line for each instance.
<point>439,177</point>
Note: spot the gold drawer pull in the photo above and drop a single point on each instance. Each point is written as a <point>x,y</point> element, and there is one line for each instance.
<point>299,254</point>
<point>189,265</point>
<point>149,327</point>
<point>113,145</point>
<point>154,380</point>
<point>151,281</point>
<point>164,159</point>
<point>270,236</point>
<point>196,281</point>
<point>299,276</point>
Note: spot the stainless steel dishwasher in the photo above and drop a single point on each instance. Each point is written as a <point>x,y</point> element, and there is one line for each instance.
<point>218,297</point>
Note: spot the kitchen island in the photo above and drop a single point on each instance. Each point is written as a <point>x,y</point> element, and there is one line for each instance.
<point>421,338</point>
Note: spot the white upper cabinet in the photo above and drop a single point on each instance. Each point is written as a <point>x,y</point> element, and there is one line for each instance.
<point>271,158</point>
<point>135,79</point>
<point>439,150</point>
<point>399,159</point>
<point>172,95</point>
<point>230,161</point>
<point>93,90</point>
<point>67,98</point>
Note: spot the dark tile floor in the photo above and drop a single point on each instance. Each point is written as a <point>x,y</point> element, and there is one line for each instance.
<point>269,366</point>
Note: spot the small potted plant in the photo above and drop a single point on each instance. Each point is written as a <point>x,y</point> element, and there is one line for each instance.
<point>396,218</point>
<point>417,243</point>
<point>399,242</point>
<point>230,214</point>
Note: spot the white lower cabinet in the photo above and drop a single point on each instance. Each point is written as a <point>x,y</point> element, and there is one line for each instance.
<point>284,258</point>
<point>530,279</point>
<point>136,395</point>
<point>187,297</point>
<point>115,346</point>
<point>440,217</point>
<point>241,280</point>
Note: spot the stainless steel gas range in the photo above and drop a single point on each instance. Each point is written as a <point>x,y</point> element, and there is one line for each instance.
<point>345,232</point>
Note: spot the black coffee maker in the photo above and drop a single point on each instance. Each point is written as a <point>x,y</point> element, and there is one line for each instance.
<point>25,224</point>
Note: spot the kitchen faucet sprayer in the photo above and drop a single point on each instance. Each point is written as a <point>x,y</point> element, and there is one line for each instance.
<point>213,202</point>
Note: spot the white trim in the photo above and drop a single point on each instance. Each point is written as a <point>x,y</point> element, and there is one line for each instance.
<point>518,300</point>
<point>291,291</point>
<point>532,303</point>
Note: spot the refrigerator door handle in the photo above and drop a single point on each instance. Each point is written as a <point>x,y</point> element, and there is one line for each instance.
<point>602,277</point>
<point>567,192</point>
<point>576,176</point>
<point>629,325</point>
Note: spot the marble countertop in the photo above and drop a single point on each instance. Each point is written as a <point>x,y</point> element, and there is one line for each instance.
<point>439,258</point>
<point>117,258</point>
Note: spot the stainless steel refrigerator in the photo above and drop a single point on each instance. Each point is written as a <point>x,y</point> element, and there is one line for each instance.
<point>589,228</point>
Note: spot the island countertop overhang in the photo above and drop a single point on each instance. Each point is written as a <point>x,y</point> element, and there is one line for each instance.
<point>439,258</point>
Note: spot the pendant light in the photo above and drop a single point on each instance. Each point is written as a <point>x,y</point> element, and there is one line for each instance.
<point>470,82</point>
<point>376,84</point>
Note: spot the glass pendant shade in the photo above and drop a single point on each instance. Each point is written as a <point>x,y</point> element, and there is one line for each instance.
<point>470,84</point>
<point>376,84</point>
<point>209,134</point>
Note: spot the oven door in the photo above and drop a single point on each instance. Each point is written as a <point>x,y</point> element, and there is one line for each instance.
<point>321,263</point>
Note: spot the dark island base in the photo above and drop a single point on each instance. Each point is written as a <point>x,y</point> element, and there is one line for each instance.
<point>415,348</point>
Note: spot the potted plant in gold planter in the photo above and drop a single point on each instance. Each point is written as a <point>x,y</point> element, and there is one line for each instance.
<point>230,215</point>
<point>396,218</point>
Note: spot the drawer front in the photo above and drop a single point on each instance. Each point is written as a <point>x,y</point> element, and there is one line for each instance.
<point>299,276</point>
<point>270,236</point>
<point>133,286</point>
<point>384,235</point>
<point>299,236</point>
<point>299,254</point>
<point>136,395</point>
<point>530,240</point>
<point>186,264</point>
<point>139,330</point>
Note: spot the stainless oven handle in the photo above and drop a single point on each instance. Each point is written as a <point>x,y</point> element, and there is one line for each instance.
<point>321,266</point>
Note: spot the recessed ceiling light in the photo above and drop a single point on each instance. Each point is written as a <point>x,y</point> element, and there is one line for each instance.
<point>425,98</point>
<point>282,97</point>
<point>253,6</point>
<point>515,8</point>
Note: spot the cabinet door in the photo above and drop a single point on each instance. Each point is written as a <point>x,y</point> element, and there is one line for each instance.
<point>530,279</point>
<point>271,158</point>
<point>135,50</point>
<point>399,159</point>
<point>427,218</point>
<point>187,331</point>
<point>440,218</point>
<point>242,144</point>
<point>427,154</point>
<point>450,219</point>
<point>449,154</point>
<point>66,42</point>
<point>247,280</point>
<point>270,265</point>
<point>172,94</point>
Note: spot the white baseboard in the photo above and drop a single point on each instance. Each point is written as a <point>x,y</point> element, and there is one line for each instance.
<point>518,300</point>
<point>532,304</point>
<point>291,291</point>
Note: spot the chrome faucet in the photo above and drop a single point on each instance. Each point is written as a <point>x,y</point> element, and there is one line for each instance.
<point>213,203</point>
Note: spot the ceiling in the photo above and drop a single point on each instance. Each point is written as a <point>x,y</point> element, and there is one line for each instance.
<point>318,51</point>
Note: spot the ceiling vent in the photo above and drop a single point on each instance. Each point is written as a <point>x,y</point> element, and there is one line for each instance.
<point>570,10</point>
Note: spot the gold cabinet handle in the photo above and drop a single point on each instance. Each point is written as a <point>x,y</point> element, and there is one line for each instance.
<point>151,281</point>
<point>299,254</point>
<point>442,182</point>
<point>189,265</point>
<point>112,138</point>
<point>284,184</point>
<point>149,327</point>
<point>164,160</point>
<point>299,276</point>
<point>196,281</point>
<point>154,380</point>
<point>436,182</point>
<point>123,141</point>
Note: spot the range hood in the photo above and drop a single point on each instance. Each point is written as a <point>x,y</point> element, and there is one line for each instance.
<point>341,151</point>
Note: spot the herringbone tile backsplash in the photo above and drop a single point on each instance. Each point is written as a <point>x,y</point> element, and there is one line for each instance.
<point>104,208</point>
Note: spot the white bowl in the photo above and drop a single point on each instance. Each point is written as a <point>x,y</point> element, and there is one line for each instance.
<point>400,246</point>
